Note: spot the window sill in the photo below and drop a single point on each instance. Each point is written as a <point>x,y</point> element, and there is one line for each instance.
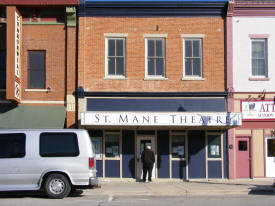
<point>178,159</point>
<point>112,158</point>
<point>258,79</point>
<point>193,79</point>
<point>214,159</point>
<point>36,90</point>
<point>115,78</point>
<point>155,78</point>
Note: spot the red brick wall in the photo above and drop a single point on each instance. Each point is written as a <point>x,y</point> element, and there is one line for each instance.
<point>92,53</point>
<point>50,38</point>
<point>71,73</point>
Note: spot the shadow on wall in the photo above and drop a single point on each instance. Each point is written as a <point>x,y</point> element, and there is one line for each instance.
<point>132,167</point>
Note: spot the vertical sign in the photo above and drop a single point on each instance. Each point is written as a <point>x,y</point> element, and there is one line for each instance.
<point>14,42</point>
<point>17,44</point>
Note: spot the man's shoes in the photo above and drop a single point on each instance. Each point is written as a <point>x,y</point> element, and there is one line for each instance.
<point>150,180</point>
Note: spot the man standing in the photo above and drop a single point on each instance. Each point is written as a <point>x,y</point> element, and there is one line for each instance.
<point>148,160</point>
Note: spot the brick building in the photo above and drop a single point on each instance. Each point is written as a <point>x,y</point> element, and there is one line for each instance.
<point>38,63</point>
<point>153,73</point>
<point>250,48</point>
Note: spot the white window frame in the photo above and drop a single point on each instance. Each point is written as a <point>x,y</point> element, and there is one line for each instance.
<point>192,37</point>
<point>100,139</point>
<point>115,36</point>
<point>265,40</point>
<point>185,146</point>
<point>155,37</point>
<point>119,146</point>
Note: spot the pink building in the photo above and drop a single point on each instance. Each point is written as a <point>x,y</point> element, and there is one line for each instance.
<point>251,87</point>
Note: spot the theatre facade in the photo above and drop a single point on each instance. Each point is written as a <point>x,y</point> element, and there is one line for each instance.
<point>155,76</point>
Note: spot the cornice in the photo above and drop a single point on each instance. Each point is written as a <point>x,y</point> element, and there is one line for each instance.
<point>152,8</point>
<point>38,2</point>
<point>250,8</point>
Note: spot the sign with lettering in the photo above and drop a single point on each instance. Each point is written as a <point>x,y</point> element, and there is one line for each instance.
<point>258,110</point>
<point>17,44</point>
<point>14,43</point>
<point>160,119</point>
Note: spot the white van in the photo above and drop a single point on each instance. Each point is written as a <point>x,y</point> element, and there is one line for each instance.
<point>56,160</point>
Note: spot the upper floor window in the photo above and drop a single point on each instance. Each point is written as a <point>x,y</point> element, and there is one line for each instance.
<point>259,57</point>
<point>155,57</point>
<point>115,57</point>
<point>192,57</point>
<point>2,69</point>
<point>36,69</point>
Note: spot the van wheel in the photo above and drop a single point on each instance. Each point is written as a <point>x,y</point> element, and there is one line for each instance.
<point>57,186</point>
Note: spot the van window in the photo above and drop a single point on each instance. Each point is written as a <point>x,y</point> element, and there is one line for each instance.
<point>58,145</point>
<point>12,145</point>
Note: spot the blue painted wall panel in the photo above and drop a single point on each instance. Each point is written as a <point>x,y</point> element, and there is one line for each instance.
<point>155,105</point>
<point>112,168</point>
<point>179,169</point>
<point>214,169</point>
<point>163,154</point>
<point>196,154</point>
<point>99,167</point>
<point>128,154</point>
<point>225,155</point>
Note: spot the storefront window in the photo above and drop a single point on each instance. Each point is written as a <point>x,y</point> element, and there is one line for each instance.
<point>214,146</point>
<point>96,141</point>
<point>112,145</point>
<point>178,146</point>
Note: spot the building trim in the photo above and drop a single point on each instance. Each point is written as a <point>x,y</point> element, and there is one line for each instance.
<point>121,35</point>
<point>41,102</point>
<point>38,3</point>
<point>152,8</point>
<point>155,35</point>
<point>250,8</point>
<point>153,94</point>
<point>192,36</point>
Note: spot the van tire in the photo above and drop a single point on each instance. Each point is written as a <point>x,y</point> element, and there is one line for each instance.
<point>57,186</point>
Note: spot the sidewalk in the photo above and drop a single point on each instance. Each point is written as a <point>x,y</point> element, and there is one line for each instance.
<point>129,187</point>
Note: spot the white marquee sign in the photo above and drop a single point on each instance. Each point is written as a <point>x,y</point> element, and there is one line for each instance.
<point>160,119</point>
<point>258,110</point>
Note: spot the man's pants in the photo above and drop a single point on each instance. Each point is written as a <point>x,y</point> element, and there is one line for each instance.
<point>149,168</point>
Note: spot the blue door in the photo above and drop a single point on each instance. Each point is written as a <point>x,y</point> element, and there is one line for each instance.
<point>196,154</point>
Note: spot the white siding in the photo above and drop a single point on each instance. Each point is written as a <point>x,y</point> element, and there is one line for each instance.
<point>242,71</point>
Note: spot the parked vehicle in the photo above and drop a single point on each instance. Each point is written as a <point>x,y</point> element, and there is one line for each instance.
<point>56,161</point>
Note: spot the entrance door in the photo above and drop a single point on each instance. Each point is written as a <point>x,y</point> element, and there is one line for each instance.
<point>196,154</point>
<point>142,142</point>
<point>243,157</point>
<point>270,156</point>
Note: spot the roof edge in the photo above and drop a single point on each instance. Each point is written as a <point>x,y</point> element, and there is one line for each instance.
<point>38,3</point>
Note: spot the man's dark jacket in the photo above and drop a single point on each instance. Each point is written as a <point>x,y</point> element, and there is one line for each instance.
<point>148,157</point>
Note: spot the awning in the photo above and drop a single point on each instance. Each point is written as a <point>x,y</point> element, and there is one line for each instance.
<point>32,117</point>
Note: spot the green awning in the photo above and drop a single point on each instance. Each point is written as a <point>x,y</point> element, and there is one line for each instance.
<point>32,117</point>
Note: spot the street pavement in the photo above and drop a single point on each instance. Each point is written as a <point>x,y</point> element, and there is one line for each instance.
<point>170,187</point>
